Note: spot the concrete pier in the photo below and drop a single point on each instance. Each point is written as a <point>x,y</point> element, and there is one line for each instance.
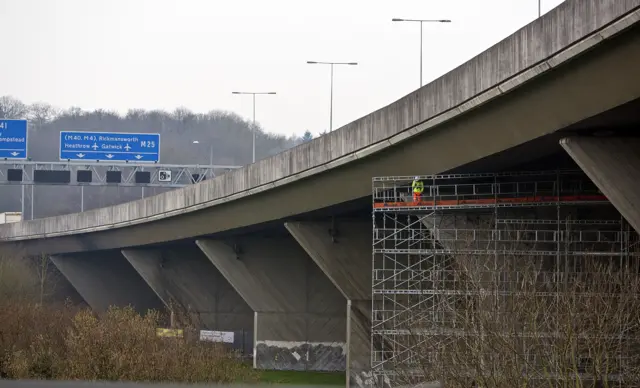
<point>105,279</point>
<point>185,280</point>
<point>343,251</point>
<point>613,164</point>
<point>300,321</point>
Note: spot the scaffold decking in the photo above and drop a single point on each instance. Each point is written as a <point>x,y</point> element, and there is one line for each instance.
<point>556,217</point>
<point>489,202</point>
<point>465,191</point>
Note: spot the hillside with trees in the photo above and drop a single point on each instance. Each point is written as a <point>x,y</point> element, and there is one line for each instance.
<point>227,133</point>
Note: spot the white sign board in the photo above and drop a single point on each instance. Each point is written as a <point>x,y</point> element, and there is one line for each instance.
<point>164,175</point>
<point>216,336</point>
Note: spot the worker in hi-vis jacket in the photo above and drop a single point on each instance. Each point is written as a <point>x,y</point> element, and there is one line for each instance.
<point>417,187</point>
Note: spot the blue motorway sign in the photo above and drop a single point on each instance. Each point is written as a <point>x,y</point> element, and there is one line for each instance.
<point>110,146</point>
<point>13,139</point>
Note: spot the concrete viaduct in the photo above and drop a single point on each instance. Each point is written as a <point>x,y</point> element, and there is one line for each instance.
<point>283,246</point>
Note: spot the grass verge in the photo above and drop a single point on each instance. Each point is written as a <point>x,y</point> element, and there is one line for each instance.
<point>302,378</point>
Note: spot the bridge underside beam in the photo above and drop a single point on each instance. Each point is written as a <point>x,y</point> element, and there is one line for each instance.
<point>105,279</point>
<point>299,315</point>
<point>613,164</point>
<point>186,282</point>
<point>342,250</point>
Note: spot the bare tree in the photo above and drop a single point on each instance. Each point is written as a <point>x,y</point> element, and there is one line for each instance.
<point>41,113</point>
<point>513,321</point>
<point>136,114</point>
<point>101,113</point>
<point>11,108</point>
<point>184,117</point>
<point>74,111</point>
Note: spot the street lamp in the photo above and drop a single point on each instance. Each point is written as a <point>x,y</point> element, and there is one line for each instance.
<point>331,98</point>
<point>253,157</point>
<point>421,21</point>
<point>539,8</point>
<point>210,152</point>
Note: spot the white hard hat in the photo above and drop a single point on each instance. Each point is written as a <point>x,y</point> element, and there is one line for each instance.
<point>416,178</point>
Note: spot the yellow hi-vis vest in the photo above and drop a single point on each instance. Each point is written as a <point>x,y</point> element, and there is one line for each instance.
<point>418,187</point>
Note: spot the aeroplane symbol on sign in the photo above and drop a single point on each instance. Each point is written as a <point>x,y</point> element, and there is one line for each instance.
<point>127,147</point>
<point>95,146</point>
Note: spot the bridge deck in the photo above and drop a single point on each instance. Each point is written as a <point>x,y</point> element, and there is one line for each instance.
<point>344,160</point>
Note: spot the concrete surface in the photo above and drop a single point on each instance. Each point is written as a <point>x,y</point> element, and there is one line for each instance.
<point>569,93</point>
<point>342,250</point>
<point>455,230</point>
<point>184,276</point>
<point>300,316</point>
<point>613,164</point>
<point>105,279</point>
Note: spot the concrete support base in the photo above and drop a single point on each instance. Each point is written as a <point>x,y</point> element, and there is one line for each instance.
<point>342,250</point>
<point>299,321</point>
<point>105,279</point>
<point>613,164</point>
<point>185,281</point>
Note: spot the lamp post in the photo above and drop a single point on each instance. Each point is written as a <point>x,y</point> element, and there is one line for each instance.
<point>210,152</point>
<point>421,21</point>
<point>253,153</point>
<point>331,96</point>
<point>539,8</point>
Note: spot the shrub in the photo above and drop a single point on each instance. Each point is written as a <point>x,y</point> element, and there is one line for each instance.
<point>43,341</point>
<point>31,338</point>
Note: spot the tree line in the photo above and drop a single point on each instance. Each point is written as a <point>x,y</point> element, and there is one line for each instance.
<point>224,134</point>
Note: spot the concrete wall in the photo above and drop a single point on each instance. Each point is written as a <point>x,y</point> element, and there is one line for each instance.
<point>498,70</point>
<point>105,279</point>
<point>342,250</point>
<point>613,164</point>
<point>300,318</point>
<point>186,281</point>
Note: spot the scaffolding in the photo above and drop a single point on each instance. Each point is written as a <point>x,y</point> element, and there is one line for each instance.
<point>493,221</point>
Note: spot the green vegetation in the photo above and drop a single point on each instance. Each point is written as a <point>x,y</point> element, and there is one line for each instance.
<point>302,378</point>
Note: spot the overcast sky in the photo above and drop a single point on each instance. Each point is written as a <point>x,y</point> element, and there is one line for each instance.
<point>121,54</point>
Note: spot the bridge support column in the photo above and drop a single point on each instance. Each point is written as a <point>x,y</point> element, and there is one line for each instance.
<point>343,252</point>
<point>299,315</point>
<point>613,164</point>
<point>184,279</point>
<point>105,279</point>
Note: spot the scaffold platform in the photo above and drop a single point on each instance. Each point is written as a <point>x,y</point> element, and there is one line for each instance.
<point>514,201</point>
<point>555,217</point>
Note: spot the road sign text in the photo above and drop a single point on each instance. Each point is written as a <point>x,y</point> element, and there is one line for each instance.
<point>13,139</point>
<point>110,146</point>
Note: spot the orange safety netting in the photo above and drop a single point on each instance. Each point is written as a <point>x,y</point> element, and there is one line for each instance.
<point>492,201</point>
